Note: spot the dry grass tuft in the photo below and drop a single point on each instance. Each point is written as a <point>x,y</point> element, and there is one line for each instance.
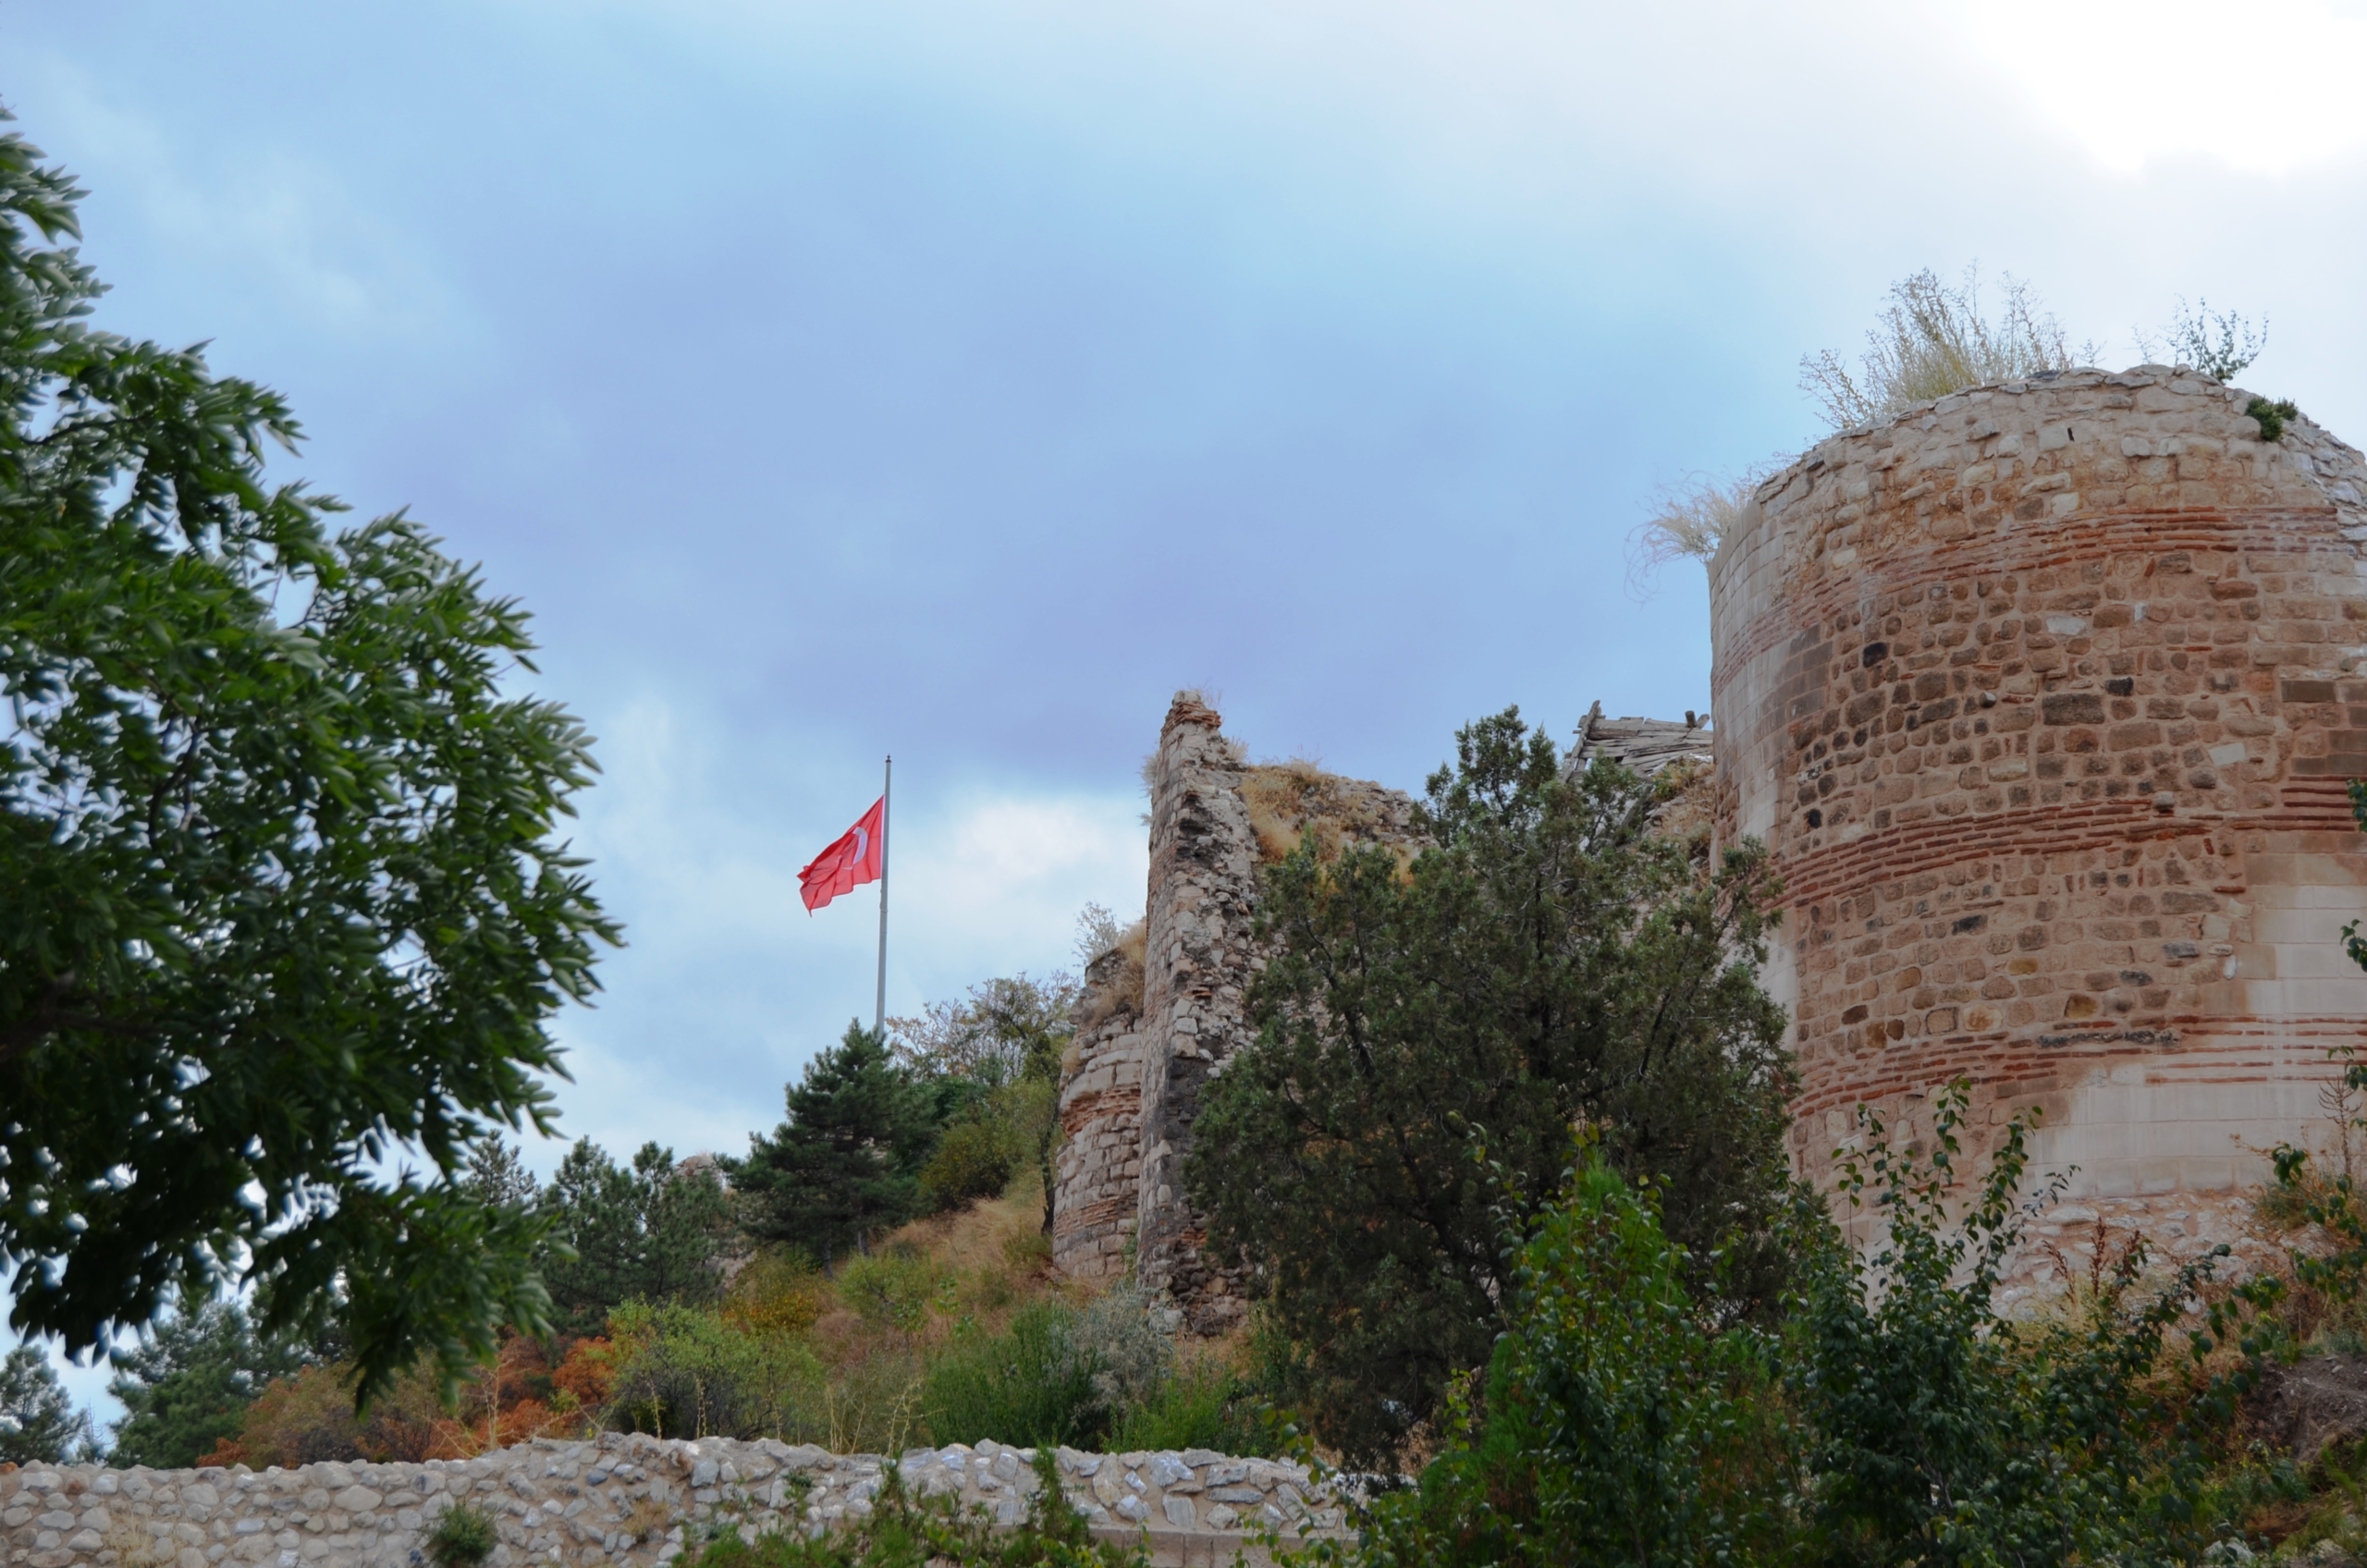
<point>1932,340</point>
<point>1114,988</point>
<point>1297,802</point>
<point>1688,522</point>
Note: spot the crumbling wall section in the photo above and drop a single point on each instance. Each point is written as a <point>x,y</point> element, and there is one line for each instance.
<point>1099,1171</point>
<point>1216,821</point>
<point>1199,960</point>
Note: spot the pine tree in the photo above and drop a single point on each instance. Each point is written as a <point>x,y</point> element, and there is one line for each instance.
<point>37,1422</point>
<point>847,1162</point>
<point>653,1233</point>
<point>190,1385</point>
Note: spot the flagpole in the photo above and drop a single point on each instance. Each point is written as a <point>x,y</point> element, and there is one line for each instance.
<point>879,1007</point>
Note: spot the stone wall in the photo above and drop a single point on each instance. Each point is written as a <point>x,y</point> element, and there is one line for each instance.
<point>2044,696</point>
<point>1098,1175</point>
<point>621,1499</point>
<point>1197,966</point>
<point>1134,1079</point>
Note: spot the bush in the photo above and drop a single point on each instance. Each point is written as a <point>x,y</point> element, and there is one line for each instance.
<point>892,1290</point>
<point>1206,1405</point>
<point>977,1158</point>
<point>1034,1383</point>
<point>683,1372</point>
<point>1894,1416</point>
<point>462,1537</point>
<point>1620,1428</point>
<point>904,1532</point>
<point>2272,416</point>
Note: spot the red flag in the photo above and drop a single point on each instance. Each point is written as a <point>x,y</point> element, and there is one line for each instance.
<point>847,864</point>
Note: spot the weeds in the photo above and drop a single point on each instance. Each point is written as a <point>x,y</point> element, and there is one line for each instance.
<point>2273,417</point>
<point>1932,340</point>
<point>462,1537</point>
<point>2218,343</point>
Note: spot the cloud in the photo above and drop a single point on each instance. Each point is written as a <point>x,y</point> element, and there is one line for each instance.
<point>265,224</point>
<point>2140,81</point>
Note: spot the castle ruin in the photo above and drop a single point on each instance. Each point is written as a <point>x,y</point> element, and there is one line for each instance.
<point>2044,696</point>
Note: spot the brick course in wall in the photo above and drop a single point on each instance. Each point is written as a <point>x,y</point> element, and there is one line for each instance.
<point>2044,696</point>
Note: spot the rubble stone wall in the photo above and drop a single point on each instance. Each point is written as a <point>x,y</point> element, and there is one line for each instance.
<point>1097,1175</point>
<point>623,1500</point>
<point>2044,696</point>
<point>1198,966</point>
<point>1133,1084</point>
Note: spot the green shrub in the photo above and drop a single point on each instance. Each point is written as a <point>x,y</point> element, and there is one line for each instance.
<point>891,1290</point>
<point>904,1532</point>
<point>1893,1417</point>
<point>1034,1383</point>
<point>2272,416</point>
<point>462,1537</point>
<point>977,1158</point>
<point>687,1372</point>
<point>1206,1406</point>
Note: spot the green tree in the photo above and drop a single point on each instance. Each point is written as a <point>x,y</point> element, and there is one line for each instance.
<point>991,1065</point>
<point>1551,959</point>
<point>654,1232</point>
<point>1622,1425</point>
<point>190,1385</point>
<point>1941,1432</point>
<point>281,899</point>
<point>37,1422</point>
<point>1891,1416</point>
<point>496,1175</point>
<point>847,1162</point>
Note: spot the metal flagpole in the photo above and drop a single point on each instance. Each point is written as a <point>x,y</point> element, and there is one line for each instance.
<point>880,1008</point>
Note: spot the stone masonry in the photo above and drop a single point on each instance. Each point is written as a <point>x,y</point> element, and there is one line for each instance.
<point>1136,1079</point>
<point>2044,696</point>
<point>1098,1175</point>
<point>626,1499</point>
<point>1199,963</point>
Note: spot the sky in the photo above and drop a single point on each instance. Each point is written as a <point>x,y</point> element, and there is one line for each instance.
<point>960,380</point>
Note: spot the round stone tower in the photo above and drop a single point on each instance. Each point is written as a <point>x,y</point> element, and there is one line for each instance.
<point>2045,696</point>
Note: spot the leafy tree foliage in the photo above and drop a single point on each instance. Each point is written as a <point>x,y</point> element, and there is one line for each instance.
<point>1005,1030</point>
<point>1621,1427</point>
<point>37,1422</point>
<point>1939,1431</point>
<point>847,1161</point>
<point>1552,959</point>
<point>190,1385</point>
<point>280,899</point>
<point>1891,1416</point>
<point>991,1064</point>
<point>652,1231</point>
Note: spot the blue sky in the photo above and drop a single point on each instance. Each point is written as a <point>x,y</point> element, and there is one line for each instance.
<point>960,380</point>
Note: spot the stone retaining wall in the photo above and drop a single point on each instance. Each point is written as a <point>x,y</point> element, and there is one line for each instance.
<point>626,1499</point>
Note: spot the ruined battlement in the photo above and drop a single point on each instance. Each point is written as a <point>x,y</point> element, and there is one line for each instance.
<point>2044,697</point>
<point>1162,1018</point>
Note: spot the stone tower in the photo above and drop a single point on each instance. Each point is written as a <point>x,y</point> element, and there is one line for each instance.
<point>2044,696</point>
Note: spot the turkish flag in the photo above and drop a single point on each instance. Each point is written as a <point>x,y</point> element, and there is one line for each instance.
<point>849,864</point>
